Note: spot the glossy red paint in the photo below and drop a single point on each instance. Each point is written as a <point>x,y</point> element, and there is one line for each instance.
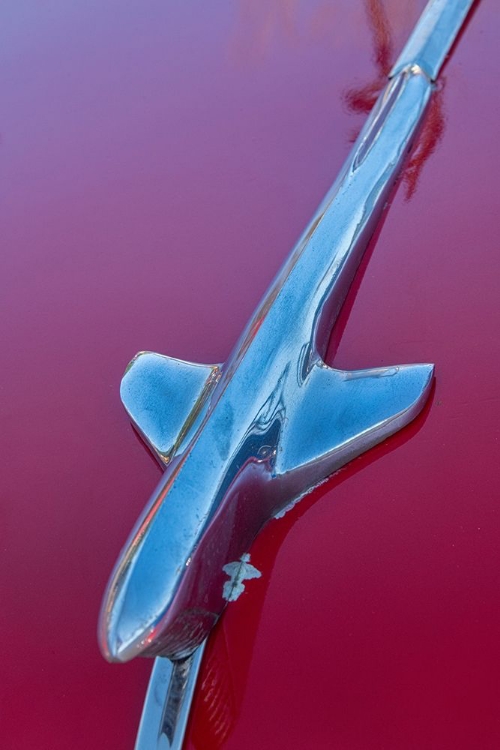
<point>158,162</point>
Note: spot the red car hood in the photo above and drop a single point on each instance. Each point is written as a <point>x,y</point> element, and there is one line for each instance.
<point>158,161</point>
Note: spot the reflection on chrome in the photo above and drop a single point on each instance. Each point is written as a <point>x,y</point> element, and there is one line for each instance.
<point>242,441</point>
<point>360,99</point>
<point>168,700</point>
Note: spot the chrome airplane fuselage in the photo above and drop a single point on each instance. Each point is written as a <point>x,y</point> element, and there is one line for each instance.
<point>270,424</point>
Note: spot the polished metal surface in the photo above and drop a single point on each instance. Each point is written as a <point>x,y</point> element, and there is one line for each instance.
<point>164,397</point>
<point>243,441</point>
<point>433,36</point>
<point>168,700</point>
<point>275,422</point>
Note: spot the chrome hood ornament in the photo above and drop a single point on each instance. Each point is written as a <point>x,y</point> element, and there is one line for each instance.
<point>242,441</point>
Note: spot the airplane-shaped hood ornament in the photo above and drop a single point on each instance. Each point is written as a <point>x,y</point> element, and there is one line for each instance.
<point>243,440</point>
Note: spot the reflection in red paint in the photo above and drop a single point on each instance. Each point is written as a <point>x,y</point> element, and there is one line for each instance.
<point>431,134</point>
<point>361,100</point>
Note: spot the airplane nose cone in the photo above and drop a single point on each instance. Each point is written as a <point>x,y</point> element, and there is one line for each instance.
<point>128,617</point>
<point>115,649</point>
<point>120,637</point>
<point>111,648</point>
<point>140,592</point>
<point>148,579</point>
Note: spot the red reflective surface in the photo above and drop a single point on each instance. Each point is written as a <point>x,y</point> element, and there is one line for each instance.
<point>157,163</point>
